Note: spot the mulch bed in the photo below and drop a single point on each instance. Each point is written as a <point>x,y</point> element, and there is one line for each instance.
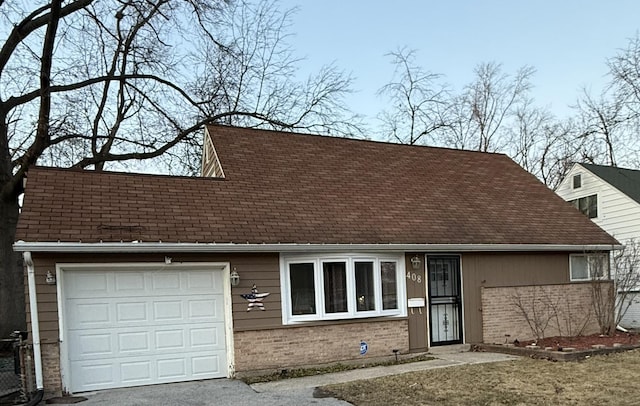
<point>584,342</point>
<point>567,348</point>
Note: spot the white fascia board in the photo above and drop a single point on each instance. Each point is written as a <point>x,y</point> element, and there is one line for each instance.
<point>143,247</point>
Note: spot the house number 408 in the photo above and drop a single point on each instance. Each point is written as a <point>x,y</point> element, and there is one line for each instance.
<point>414,277</point>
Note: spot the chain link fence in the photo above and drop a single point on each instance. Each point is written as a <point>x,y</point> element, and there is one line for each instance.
<point>16,370</point>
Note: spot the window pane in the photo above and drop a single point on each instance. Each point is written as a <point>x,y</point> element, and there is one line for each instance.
<point>579,269</point>
<point>592,202</point>
<point>577,181</point>
<point>598,266</point>
<point>365,299</point>
<point>574,203</point>
<point>335,287</point>
<point>303,292</point>
<point>389,285</point>
<point>583,205</point>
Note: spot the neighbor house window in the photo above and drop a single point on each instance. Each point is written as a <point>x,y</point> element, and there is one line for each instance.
<point>584,267</point>
<point>577,181</point>
<point>339,287</point>
<point>587,205</point>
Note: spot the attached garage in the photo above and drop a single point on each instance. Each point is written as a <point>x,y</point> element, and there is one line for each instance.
<point>137,325</point>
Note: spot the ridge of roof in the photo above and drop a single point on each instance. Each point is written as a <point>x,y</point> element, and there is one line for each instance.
<point>625,180</point>
<point>227,128</point>
<point>197,178</point>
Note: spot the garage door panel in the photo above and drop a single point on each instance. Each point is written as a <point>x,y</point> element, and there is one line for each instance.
<point>204,366</point>
<point>166,282</point>
<point>131,312</point>
<point>173,368</point>
<point>92,345</point>
<point>148,328</point>
<point>87,313</point>
<point>168,310</point>
<point>137,371</point>
<point>88,285</point>
<point>129,342</point>
<point>129,281</point>
<point>170,340</point>
<point>145,340</point>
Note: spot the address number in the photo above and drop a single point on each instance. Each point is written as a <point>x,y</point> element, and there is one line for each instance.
<point>414,277</point>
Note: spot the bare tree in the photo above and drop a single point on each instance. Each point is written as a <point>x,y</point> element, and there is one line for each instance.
<point>97,83</point>
<point>613,284</point>
<point>626,276</point>
<point>557,153</point>
<point>416,99</point>
<point>489,101</point>
<point>603,131</point>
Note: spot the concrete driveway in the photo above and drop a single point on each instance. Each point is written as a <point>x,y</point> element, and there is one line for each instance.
<point>211,392</point>
<point>288,392</point>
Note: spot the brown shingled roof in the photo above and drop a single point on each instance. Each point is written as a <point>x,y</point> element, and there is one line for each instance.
<point>292,188</point>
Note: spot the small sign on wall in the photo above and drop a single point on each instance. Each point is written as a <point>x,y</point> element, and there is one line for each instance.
<point>415,302</point>
<point>364,347</point>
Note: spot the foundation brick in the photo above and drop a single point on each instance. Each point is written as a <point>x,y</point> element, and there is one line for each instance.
<point>308,345</point>
<point>502,321</point>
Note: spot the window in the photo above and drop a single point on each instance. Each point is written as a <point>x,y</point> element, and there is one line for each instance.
<point>389,285</point>
<point>577,181</point>
<point>584,267</point>
<point>303,292</point>
<point>335,287</point>
<point>341,287</point>
<point>365,296</point>
<point>587,205</point>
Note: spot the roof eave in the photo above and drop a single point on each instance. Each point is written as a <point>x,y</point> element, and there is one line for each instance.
<point>149,247</point>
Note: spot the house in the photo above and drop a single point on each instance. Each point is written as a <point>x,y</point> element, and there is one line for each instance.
<point>609,196</point>
<point>336,249</point>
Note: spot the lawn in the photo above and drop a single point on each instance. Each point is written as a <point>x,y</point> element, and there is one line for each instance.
<point>600,380</point>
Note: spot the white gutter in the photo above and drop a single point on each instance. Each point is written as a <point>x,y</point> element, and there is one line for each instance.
<point>35,324</point>
<point>150,247</point>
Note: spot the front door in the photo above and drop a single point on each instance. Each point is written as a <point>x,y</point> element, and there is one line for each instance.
<point>445,301</point>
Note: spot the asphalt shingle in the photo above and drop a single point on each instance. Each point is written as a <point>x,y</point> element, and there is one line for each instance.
<point>292,188</point>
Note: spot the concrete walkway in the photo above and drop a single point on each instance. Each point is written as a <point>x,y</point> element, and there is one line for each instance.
<point>287,392</point>
<point>445,357</point>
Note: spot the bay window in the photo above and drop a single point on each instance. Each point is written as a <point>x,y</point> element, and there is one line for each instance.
<point>341,287</point>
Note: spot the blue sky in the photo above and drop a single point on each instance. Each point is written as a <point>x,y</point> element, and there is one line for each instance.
<point>566,41</point>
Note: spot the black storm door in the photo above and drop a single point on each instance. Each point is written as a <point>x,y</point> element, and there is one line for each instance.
<point>445,300</point>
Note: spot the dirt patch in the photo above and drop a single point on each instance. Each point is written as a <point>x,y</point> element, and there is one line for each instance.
<point>583,342</point>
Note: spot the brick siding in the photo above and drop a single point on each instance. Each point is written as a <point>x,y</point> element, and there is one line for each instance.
<point>51,369</point>
<point>309,345</point>
<point>503,321</point>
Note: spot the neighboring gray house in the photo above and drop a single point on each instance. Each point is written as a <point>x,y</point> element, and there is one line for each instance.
<point>610,196</point>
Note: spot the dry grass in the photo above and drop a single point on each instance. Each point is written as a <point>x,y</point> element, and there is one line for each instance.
<point>602,380</point>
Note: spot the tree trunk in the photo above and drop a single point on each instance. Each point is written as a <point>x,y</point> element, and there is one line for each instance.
<point>12,299</point>
<point>12,304</point>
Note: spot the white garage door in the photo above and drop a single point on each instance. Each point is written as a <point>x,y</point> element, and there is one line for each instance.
<point>140,327</point>
<point>631,318</point>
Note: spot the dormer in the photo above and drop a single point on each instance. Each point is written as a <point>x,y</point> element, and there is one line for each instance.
<point>211,166</point>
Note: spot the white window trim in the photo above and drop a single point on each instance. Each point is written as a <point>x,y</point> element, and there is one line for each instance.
<point>352,313</point>
<point>605,274</point>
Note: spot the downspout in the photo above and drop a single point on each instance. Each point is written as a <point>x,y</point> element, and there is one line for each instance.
<point>35,324</point>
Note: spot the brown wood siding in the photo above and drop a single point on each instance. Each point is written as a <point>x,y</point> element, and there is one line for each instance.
<point>505,269</point>
<point>261,269</point>
<point>418,333</point>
